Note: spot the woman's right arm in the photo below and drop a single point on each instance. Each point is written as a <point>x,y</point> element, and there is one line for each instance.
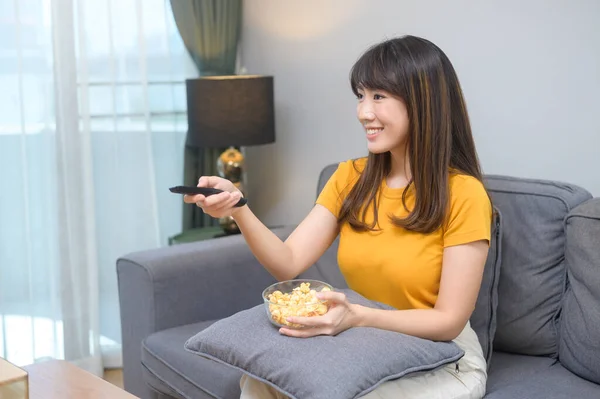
<point>284,260</point>
<point>306,244</point>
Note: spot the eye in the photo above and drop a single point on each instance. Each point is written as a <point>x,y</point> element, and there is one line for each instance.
<point>378,97</point>
<point>359,96</point>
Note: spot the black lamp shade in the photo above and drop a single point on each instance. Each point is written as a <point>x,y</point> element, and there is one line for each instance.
<point>228,111</point>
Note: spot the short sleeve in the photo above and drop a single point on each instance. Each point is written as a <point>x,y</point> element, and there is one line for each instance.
<point>337,187</point>
<point>470,216</point>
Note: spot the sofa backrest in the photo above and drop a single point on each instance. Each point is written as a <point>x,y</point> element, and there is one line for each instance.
<point>324,176</point>
<point>325,268</point>
<point>527,295</point>
<point>579,349</point>
<point>533,271</point>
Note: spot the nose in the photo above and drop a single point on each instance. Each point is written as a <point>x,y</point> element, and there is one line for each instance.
<point>365,113</point>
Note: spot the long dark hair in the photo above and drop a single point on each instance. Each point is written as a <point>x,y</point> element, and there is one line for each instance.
<point>439,138</point>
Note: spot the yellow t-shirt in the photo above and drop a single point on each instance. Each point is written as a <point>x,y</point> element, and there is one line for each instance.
<point>393,265</point>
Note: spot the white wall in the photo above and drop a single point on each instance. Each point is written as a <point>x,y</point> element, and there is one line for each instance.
<point>530,71</point>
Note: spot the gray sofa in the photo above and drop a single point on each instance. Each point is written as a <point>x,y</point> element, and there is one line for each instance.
<point>542,304</point>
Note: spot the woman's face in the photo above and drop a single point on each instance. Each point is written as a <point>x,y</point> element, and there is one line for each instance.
<point>385,120</point>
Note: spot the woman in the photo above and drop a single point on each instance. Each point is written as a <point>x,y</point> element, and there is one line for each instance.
<point>413,216</point>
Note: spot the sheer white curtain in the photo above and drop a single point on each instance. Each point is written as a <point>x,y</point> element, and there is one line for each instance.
<point>92,126</point>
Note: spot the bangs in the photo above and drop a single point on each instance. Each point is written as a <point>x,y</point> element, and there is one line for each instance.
<point>376,70</point>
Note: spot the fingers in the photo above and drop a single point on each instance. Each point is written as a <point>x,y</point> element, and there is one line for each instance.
<point>311,326</point>
<point>310,322</point>
<point>212,200</point>
<point>214,182</point>
<point>216,201</point>
<point>235,198</point>
<point>225,204</point>
<point>332,296</point>
<point>193,199</point>
<point>222,200</point>
<point>208,181</point>
<point>305,333</point>
<point>217,205</point>
<point>327,324</point>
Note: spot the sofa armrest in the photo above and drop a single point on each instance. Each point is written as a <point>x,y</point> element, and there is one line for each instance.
<point>182,284</point>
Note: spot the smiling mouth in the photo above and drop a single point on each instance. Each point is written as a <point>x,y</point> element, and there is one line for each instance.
<point>371,132</point>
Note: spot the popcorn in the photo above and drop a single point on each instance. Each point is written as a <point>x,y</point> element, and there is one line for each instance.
<point>302,301</point>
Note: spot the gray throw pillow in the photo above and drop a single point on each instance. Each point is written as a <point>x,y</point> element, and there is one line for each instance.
<point>345,366</point>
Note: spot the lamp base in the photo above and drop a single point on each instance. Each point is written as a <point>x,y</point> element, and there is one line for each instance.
<point>231,167</point>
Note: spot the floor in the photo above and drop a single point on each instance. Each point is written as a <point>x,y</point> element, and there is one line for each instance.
<point>114,376</point>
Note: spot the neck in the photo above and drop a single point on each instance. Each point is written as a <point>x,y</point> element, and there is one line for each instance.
<point>400,173</point>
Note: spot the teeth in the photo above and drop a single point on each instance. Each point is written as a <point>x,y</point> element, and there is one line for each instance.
<point>373,131</point>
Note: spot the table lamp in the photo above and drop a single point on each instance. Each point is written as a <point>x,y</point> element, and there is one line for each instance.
<point>230,112</point>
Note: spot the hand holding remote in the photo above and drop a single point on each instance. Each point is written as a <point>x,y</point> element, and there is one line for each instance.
<point>217,204</point>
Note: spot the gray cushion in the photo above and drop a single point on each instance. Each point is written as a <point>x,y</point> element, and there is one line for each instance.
<point>507,369</point>
<point>579,349</point>
<point>341,367</point>
<point>554,382</point>
<point>533,279</point>
<point>170,369</point>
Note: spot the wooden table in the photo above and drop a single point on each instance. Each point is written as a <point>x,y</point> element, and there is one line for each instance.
<point>13,381</point>
<point>56,379</point>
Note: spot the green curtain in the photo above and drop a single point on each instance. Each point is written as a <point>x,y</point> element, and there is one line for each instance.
<point>210,30</point>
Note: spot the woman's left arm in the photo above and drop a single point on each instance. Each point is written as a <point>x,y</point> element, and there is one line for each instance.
<point>462,271</point>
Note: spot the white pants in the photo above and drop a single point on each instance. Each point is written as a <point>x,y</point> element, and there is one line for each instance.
<point>468,381</point>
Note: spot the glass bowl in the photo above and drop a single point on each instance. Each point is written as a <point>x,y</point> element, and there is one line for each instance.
<point>294,298</point>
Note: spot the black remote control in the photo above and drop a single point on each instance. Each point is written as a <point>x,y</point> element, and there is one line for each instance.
<point>206,191</point>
